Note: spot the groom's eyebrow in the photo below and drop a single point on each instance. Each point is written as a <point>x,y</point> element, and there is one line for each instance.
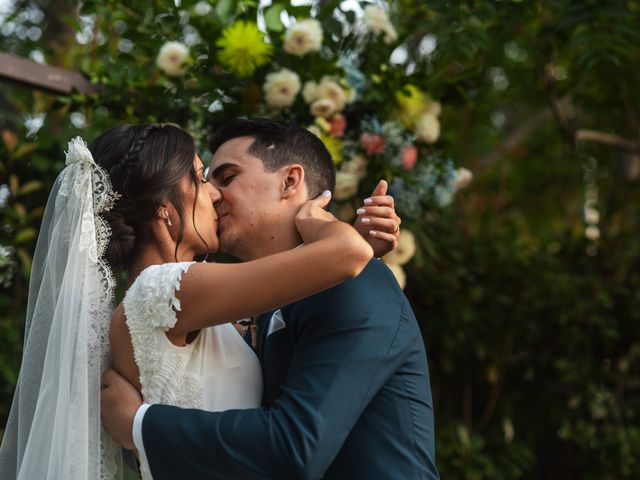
<point>221,168</point>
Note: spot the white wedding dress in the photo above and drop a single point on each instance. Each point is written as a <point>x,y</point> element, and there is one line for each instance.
<point>216,371</point>
<point>54,429</point>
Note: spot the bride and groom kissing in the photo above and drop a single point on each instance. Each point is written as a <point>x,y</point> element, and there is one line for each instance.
<point>336,385</point>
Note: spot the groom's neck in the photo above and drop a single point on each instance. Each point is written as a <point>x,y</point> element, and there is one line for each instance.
<point>277,242</point>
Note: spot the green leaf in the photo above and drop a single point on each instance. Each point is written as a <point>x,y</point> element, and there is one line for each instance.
<point>225,9</point>
<point>14,184</point>
<point>26,261</point>
<point>25,235</point>
<point>30,187</point>
<point>272,18</point>
<point>25,149</point>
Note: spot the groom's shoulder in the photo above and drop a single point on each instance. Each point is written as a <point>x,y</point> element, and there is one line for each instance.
<point>376,280</point>
<point>375,275</point>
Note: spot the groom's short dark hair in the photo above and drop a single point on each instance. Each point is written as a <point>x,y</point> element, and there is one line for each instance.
<point>280,143</point>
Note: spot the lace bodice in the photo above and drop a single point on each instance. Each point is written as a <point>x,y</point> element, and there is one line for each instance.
<point>217,371</point>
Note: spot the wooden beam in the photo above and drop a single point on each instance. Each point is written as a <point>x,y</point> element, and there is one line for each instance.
<point>44,77</point>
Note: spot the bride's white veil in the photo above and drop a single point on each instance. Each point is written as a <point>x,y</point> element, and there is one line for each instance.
<point>54,429</point>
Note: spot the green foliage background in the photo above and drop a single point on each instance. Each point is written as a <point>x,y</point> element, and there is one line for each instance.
<point>532,330</point>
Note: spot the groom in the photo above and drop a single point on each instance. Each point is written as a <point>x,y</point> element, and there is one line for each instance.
<point>346,384</point>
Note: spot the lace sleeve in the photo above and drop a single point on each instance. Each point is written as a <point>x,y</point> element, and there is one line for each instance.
<point>150,306</point>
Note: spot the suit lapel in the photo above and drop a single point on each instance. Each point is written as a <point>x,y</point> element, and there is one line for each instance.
<point>263,327</point>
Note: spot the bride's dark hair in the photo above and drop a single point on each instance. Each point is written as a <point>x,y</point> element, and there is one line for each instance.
<point>145,164</point>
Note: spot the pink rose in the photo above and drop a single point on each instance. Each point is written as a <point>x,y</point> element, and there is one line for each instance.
<point>338,124</point>
<point>409,157</point>
<point>372,143</point>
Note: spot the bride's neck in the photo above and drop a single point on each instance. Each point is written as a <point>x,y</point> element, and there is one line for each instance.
<point>155,254</point>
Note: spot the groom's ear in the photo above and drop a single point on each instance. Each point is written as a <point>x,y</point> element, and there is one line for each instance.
<point>293,180</point>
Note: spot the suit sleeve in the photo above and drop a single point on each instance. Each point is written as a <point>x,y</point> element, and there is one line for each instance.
<point>349,342</point>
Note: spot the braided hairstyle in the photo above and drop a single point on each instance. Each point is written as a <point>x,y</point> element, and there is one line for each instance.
<point>145,164</point>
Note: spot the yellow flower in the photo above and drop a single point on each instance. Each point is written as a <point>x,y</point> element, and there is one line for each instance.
<point>410,106</point>
<point>332,144</point>
<point>325,127</point>
<point>243,49</point>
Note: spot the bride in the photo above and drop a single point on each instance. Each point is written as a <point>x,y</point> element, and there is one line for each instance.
<point>138,200</point>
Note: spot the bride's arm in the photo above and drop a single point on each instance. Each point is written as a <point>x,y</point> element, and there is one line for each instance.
<point>212,293</point>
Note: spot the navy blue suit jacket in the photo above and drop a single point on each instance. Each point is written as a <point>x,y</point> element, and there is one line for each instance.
<point>347,396</point>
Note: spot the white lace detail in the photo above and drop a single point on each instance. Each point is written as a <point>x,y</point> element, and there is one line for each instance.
<point>84,176</point>
<point>150,307</point>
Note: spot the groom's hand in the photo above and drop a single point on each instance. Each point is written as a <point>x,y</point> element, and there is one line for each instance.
<point>119,402</point>
<point>378,222</point>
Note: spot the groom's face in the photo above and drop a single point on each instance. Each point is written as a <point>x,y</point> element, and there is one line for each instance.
<point>251,206</point>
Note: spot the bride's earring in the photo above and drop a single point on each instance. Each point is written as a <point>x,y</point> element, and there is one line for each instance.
<point>163,214</point>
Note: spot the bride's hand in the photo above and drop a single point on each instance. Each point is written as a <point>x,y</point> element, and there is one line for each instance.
<point>315,223</point>
<point>312,218</point>
<point>378,222</point>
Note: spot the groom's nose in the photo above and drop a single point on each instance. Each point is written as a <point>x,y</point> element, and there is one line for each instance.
<point>216,196</point>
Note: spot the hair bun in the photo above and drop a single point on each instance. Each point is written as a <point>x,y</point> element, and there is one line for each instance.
<point>122,242</point>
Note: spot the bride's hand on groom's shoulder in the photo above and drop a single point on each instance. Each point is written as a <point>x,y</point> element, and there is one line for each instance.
<point>378,222</point>
<point>119,402</point>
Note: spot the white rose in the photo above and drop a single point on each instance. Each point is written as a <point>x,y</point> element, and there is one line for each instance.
<point>172,57</point>
<point>398,272</point>
<point>346,186</point>
<point>592,233</point>
<point>433,107</point>
<point>427,128</point>
<point>303,37</point>
<point>328,88</point>
<point>405,250</point>
<point>357,165</point>
<point>322,108</point>
<point>591,215</point>
<point>310,92</point>
<point>377,21</point>
<point>463,179</point>
<point>280,88</point>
